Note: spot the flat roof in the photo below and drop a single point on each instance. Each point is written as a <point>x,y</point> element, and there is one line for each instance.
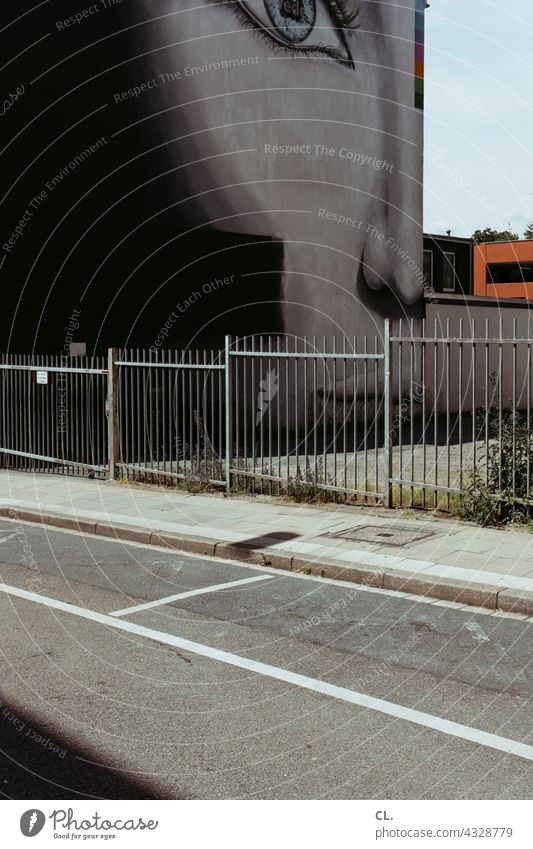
<point>478,300</point>
<point>447,238</point>
<point>508,242</point>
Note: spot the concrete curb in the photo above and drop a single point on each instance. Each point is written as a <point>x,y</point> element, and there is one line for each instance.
<point>476,594</point>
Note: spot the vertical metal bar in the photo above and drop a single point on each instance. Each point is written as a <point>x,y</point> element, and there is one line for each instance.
<point>306,422</point>
<point>113,423</point>
<point>237,361</point>
<point>228,410</point>
<point>376,417</point>
<point>365,415</point>
<point>278,435</point>
<point>162,439</point>
<point>334,411</point>
<point>245,406</point>
<point>448,433</point>
<point>253,416</point>
<point>355,415</point>
<point>436,415</point>
<point>487,413</point>
<point>200,432</point>
<point>461,402</point>
<point>157,437</point>
<point>262,421</point>
<point>400,410</point>
<point>203,402</point>
<point>344,414</point>
<point>423,368</point>
<point>514,404</point>
<point>186,450</point>
<point>473,377</point>
<point>287,427</point>
<point>528,413</point>
<point>296,400</point>
<point>212,374</point>
<point>324,411</point>
<point>139,417</point>
<point>126,379</point>
<point>387,415</point>
<point>500,404</point>
<point>269,403</point>
<point>411,406</point>
<point>315,413</point>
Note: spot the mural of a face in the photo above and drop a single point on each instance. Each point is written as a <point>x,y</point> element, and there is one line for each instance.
<point>276,143</point>
<point>295,120</point>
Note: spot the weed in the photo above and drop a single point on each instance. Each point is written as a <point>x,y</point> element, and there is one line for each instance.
<point>500,496</point>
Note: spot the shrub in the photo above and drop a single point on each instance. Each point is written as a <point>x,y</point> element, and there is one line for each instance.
<point>500,495</point>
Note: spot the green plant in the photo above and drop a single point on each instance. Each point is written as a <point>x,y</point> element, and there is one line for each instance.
<point>499,496</point>
<point>308,485</point>
<point>203,466</point>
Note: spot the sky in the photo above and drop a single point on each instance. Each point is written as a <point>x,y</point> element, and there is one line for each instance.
<point>478,115</point>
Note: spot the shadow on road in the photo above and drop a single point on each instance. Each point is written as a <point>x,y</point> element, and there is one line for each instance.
<point>36,763</point>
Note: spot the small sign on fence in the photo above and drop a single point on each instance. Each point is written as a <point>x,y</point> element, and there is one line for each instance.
<point>41,377</point>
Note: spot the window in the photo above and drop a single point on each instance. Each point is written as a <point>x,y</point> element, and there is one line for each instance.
<point>510,272</point>
<point>428,271</point>
<point>448,272</point>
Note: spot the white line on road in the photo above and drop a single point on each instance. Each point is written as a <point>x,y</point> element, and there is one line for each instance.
<point>427,720</point>
<point>188,593</point>
<point>10,536</point>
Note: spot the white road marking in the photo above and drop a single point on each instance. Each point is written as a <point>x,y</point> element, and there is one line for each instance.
<point>188,593</point>
<point>427,720</point>
<point>10,536</point>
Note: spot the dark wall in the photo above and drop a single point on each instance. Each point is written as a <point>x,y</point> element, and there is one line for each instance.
<point>462,249</point>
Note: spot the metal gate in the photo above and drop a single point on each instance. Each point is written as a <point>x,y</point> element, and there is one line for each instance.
<point>273,415</point>
<point>53,414</point>
<point>168,416</point>
<point>308,416</point>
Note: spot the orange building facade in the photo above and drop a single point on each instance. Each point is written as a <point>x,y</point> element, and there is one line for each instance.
<point>504,269</point>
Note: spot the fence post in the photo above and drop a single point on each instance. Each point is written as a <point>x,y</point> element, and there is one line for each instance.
<point>112,410</point>
<point>388,435</point>
<point>228,411</point>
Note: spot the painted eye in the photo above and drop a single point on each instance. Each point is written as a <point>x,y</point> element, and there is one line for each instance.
<point>294,19</point>
<point>305,25</point>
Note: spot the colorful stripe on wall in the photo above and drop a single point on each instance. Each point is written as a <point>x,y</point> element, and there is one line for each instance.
<point>419,53</point>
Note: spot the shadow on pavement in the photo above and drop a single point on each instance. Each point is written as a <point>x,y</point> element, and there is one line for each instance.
<point>36,763</point>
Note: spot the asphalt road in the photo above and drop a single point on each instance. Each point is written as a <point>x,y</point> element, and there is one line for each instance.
<point>277,686</point>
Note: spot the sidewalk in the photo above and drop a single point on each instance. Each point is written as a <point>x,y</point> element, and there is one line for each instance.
<point>395,550</point>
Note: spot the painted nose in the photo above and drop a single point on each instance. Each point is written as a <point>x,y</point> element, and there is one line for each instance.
<point>392,262</point>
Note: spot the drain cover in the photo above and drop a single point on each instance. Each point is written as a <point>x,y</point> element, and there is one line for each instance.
<point>382,534</point>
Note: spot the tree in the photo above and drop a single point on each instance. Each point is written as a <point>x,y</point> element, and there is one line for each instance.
<point>490,235</point>
<point>528,232</point>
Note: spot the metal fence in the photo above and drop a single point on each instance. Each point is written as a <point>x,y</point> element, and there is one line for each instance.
<point>170,416</point>
<point>416,416</point>
<point>53,416</point>
<point>308,416</point>
<point>464,417</point>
